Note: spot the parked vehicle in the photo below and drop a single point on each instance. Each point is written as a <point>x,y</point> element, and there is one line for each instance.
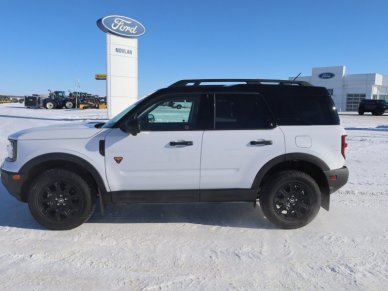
<point>34,101</point>
<point>375,106</point>
<point>58,99</point>
<point>93,102</point>
<point>278,143</point>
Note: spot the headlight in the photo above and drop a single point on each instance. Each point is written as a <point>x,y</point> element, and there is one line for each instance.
<point>11,150</point>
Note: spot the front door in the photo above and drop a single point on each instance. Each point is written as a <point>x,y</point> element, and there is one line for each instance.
<point>165,155</point>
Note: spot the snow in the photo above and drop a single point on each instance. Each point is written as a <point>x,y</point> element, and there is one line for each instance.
<point>205,246</point>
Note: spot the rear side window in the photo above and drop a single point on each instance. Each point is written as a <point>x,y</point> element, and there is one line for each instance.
<point>303,109</point>
<point>241,111</point>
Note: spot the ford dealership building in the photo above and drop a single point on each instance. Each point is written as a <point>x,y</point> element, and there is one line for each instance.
<point>348,90</point>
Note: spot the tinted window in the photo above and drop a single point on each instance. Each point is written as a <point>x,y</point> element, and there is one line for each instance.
<point>171,113</point>
<point>298,106</point>
<point>240,111</point>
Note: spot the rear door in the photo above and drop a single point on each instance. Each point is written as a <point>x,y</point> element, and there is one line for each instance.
<point>243,139</point>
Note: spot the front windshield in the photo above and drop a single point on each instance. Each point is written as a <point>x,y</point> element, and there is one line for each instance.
<point>117,117</point>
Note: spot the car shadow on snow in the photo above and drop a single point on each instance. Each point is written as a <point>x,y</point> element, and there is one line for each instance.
<point>241,215</point>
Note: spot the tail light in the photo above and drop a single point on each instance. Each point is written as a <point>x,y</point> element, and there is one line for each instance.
<point>344,145</point>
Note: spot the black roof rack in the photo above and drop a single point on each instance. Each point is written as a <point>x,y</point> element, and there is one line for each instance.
<point>197,82</point>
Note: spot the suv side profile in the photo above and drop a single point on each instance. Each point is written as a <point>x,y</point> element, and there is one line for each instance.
<point>376,107</point>
<point>278,143</point>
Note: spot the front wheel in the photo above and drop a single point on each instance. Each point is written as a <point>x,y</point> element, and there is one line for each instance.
<point>60,200</point>
<point>50,105</point>
<point>290,199</point>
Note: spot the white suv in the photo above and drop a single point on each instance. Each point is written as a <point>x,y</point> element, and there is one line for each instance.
<point>272,141</point>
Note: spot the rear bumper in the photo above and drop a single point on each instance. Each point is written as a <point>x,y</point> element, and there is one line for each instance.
<point>13,187</point>
<point>337,178</point>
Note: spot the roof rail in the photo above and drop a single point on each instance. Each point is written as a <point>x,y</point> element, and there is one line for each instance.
<point>198,82</point>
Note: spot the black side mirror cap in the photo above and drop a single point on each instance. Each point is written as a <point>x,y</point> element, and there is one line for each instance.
<point>132,126</point>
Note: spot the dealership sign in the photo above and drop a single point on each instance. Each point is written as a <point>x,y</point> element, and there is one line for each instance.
<point>326,75</point>
<point>121,25</point>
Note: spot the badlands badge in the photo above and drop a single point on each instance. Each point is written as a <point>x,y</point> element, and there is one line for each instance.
<point>118,159</point>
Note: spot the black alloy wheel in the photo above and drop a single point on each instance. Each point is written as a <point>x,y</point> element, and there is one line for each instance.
<point>290,199</point>
<point>61,200</point>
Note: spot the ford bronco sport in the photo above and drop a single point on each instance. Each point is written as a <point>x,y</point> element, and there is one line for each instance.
<point>278,143</point>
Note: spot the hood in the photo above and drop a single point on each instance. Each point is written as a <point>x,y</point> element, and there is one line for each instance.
<point>63,131</point>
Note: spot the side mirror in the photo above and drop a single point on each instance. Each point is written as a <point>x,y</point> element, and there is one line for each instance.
<point>131,126</point>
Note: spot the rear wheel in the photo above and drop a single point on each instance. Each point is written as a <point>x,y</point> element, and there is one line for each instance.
<point>69,105</point>
<point>60,200</point>
<point>290,199</point>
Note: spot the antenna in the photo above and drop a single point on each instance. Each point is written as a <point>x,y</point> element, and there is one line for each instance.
<point>296,77</point>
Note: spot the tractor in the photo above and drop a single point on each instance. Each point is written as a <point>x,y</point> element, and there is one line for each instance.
<point>58,99</point>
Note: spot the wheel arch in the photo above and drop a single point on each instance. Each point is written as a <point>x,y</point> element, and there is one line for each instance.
<point>39,164</point>
<point>307,163</point>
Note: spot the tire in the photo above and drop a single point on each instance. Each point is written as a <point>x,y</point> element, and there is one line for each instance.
<point>178,106</point>
<point>360,112</point>
<point>61,200</point>
<point>50,105</point>
<point>290,199</point>
<point>69,105</point>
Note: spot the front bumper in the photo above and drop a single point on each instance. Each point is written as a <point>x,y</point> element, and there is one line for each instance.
<point>337,178</point>
<point>13,187</point>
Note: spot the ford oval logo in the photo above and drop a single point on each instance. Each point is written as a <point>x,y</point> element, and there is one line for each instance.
<point>121,25</point>
<point>326,75</point>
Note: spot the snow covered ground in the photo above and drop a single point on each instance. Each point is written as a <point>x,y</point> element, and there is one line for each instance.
<point>205,246</point>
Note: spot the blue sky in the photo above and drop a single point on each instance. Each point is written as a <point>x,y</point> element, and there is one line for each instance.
<point>51,44</point>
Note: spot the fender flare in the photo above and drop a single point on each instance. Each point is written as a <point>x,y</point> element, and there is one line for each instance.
<point>284,158</point>
<point>58,157</point>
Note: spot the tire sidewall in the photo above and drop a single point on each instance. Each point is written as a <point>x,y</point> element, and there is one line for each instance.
<point>271,189</point>
<point>66,176</point>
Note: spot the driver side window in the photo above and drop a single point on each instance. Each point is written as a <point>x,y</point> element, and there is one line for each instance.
<point>171,114</point>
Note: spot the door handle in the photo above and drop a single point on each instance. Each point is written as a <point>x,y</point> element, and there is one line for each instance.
<point>181,143</point>
<point>260,142</point>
